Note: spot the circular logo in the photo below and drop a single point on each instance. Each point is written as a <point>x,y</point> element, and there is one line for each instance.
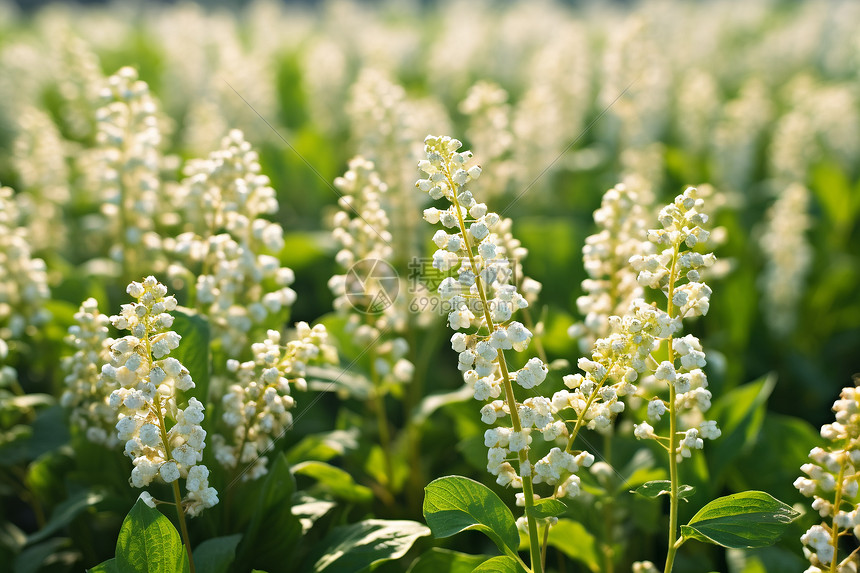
<point>371,286</point>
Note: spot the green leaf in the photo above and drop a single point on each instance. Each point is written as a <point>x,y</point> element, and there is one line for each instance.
<point>454,503</point>
<point>356,547</point>
<point>500,564</point>
<point>743,520</point>
<point>438,560</point>
<point>32,558</point>
<point>771,465</point>
<point>309,509</point>
<point>148,543</point>
<point>335,379</point>
<point>108,566</point>
<point>216,555</point>
<point>547,508</point>
<point>48,432</point>
<point>273,531</point>
<point>573,539</point>
<point>335,481</point>
<point>739,414</point>
<point>193,350</point>
<point>656,488</point>
<point>65,512</point>
<point>433,402</point>
<point>324,446</point>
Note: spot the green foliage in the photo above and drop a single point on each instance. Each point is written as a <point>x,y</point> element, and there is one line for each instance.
<point>656,488</point>
<point>358,547</point>
<point>147,543</point>
<point>454,503</point>
<point>743,520</point>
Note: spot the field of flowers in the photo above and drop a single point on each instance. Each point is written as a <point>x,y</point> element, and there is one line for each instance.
<point>462,286</point>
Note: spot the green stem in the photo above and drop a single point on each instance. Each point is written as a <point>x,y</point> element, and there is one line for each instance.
<point>528,492</point>
<point>608,506</point>
<point>673,428</point>
<point>381,421</point>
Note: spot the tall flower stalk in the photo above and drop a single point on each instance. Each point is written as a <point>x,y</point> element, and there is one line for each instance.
<point>164,441</point>
<point>675,271</point>
<point>831,479</point>
<point>482,287</point>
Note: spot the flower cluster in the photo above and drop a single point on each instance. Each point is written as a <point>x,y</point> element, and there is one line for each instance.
<point>86,394</point>
<point>148,381</point>
<point>831,479</point>
<point>367,293</point>
<point>239,284</point>
<point>23,279</point>
<point>256,408</point>
<point>129,138</point>
<point>611,284</point>
<point>788,255</point>
<point>675,271</point>
<point>483,301</point>
<point>486,106</point>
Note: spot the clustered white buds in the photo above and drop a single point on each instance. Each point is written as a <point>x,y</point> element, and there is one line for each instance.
<point>486,106</point>
<point>611,284</point>
<point>788,255</point>
<point>256,408</point>
<point>147,381</point>
<point>129,138</point>
<point>86,394</point>
<point>831,479</point>
<point>676,272</point>
<point>365,292</point>
<point>242,283</point>
<point>23,279</point>
<point>482,299</point>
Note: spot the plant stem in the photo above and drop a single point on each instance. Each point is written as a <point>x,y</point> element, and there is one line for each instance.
<point>528,492</point>
<point>381,421</point>
<point>673,428</point>
<point>183,528</point>
<point>177,495</point>
<point>608,525</point>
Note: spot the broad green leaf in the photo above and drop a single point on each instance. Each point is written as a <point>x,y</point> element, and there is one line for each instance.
<point>32,558</point>
<point>193,350</point>
<point>739,414</point>
<point>771,465</point>
<point>438,560</point>
<point>148,543</point>
<point>640,469</point>
<point>29,401</point>
<point>48,432</point>
<point>571,538</point>
<point>108,566</point>
<point>454,503</point>
<point>324,446</point>
<point>400,469</point>
<point>309,509</point>
<point>763,560</point>
<point>338,380</point>
<point>335,481</point>
<point>65,512</point>
<point>547,508</point>
<point>433,402</point>
<point>657,488</point>
<point>742,520</point>
<point>500,564</point>
<point>273,531</point>
<point>216,555</point>
<point>356,547</point>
